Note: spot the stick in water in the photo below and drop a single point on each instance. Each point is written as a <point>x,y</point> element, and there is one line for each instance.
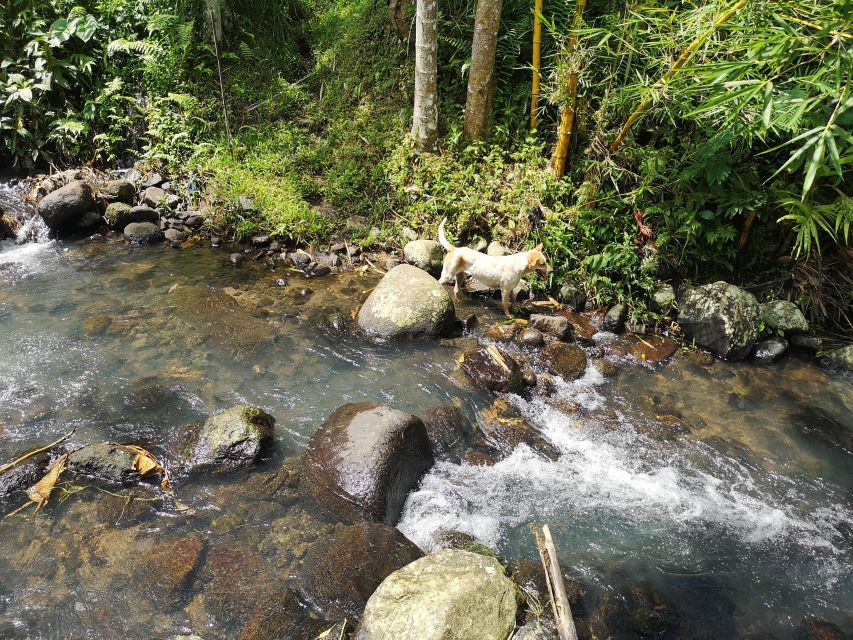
<point>556,587</point>
<point>14,463</point>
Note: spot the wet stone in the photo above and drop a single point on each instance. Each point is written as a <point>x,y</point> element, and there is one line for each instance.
<point>557,326</point>
<point>15,482</point>
<point>505,429</point>
<point>108,462</point>
<point>652,348</point>
<point>446,429</point>
<point>531,338</point>
<point>143,233</point>
<point>488,373</point>
<point>566,360</point>
<point>233,439</point>
<point>770,350</point>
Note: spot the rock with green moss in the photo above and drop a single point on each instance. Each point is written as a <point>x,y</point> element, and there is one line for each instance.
<point>407,303</point>
<point>450,595</point>
<point>719,317</point>
<point>842,357</point>
<point>781,315</point>
<point>424,254</point>
<point>118,191</point>
<point>233,439</point>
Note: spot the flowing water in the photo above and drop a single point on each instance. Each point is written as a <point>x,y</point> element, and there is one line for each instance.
<point>725,490</point>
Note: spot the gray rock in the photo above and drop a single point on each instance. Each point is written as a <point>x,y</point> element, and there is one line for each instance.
<point>614,319</point>
<point>119,191</point>
<point>153,179</point>
<point>407,303</point>
<point>153,197</point>
<point>174,236</point>
<point>663,298</point>
<point>364,459</point>
<point>446,429</point>
<point>534,631</point>
<point>133,175</point>
<point>119,215</point>
<point>424,254</point>
<point>194,220</point>
<point>841,357</point>
<point>236,258</point>
<point>233,439</point>
<point>300,259</point>
<point>573,296</point>
<point>18,479</point>
<point>557,326</point>
<point>109,462</point>
<point>408,234</point>
<point>720,317</point>
<point>449,595</point>
<point>805,342</point>
<point>66,205</point>
<point>770,350</point>
<point>143,233</point>
<point>242,203</point>
<point>781,315</point>
<point>497,249</point>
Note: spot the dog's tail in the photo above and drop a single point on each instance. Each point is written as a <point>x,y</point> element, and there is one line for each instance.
<point>442,239</point>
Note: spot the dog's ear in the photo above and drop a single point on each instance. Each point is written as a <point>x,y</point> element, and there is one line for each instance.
<point>538,247</point>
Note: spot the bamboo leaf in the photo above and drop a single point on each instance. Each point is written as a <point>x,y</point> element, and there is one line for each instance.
<point>814,165</point>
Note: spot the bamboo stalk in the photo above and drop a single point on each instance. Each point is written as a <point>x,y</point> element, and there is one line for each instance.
<point>537,62</point>
<point>676,66</point>
<point>557,589</point>
<point>221,85</point>
<point>567,117</point>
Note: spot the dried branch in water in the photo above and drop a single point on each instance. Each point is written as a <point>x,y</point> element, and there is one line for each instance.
<point>15,463</point>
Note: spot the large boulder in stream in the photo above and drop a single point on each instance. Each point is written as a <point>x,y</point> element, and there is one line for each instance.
<point>407,303</point>
<point>341,571</point>
<point>450,595</point>
<point>67,204</point>
<point>364,459</point>
<point>719,317</point>
<point>233,439</point>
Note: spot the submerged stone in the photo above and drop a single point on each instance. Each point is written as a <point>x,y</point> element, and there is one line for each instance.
<point>566,360</point>
<point>15,482</point>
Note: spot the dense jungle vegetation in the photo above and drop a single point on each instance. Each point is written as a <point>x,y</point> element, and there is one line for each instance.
<point>738,166</point>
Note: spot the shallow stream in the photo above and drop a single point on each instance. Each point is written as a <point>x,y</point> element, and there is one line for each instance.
<point>725,490</point>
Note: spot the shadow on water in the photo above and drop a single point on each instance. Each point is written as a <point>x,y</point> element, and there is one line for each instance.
<point>718,498</point>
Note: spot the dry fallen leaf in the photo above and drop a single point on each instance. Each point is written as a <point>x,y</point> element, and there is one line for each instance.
<point>146,464</point>
<point>40,492</point>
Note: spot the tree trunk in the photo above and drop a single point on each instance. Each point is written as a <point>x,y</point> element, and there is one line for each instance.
<point>481,74</point>
<point>425,121</point>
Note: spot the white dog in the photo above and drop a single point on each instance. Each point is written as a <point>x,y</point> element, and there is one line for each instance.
<point>495,272</point>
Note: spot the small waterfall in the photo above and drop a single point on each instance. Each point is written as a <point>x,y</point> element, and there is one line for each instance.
<point>33,228</point>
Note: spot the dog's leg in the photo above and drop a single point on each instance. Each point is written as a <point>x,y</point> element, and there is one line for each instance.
<point>505,299</point>
<point>460,284</point>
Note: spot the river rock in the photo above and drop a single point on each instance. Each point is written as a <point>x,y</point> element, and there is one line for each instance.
<point>486,372</point>
<point>67,204</point>
<point>663,298</point>
<point>573,296</point>
<point>406,303</point>
<point>365,458</point>
<point>19,478</point>
<point>118,215</point>
<point>109,462</point>
<point>153,197</point>
<point>652,348</point>
<point>340,572</point>
<point>143,233</point>
<point>531,337</point>
<point>495,248</point>
<point>233,438</point>
<point>425,254</point>
<point>566,360</point>
<point>615,317</point>
<point>153,179</point>
<point>806,342</point>
<point>720,317</point>
<point>781,315</point>
<point>640,612</point>
<point>505,429</point>
<point>446,429</point>
<point>842,357</point>
<point>174,236</point>
<point>450,595</point>
<point>557,326</point>
<point>770,350</point>
<point>9,225</point>
<point>534,631</point>
<point>118,191</point>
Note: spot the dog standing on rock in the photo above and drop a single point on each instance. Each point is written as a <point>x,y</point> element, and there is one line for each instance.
<point>495,272</point>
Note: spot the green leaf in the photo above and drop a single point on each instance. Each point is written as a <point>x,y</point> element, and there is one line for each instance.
<point>814,165</point>
<point>86,27</point>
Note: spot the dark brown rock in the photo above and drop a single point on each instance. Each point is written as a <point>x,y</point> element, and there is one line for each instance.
<point>486,372</point>
<point>446,429</point>
<point>653,348</point>
<point>365,458</point>
<point>340,572</point>
<point>505,429</point>
<point>566,360</point>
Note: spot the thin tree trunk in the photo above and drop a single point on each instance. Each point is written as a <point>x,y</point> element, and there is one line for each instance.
<point>676,66</point>
<point>425,121</point>
<point>567,117</point>
<point>481,75</point>
<point>537,63</point>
